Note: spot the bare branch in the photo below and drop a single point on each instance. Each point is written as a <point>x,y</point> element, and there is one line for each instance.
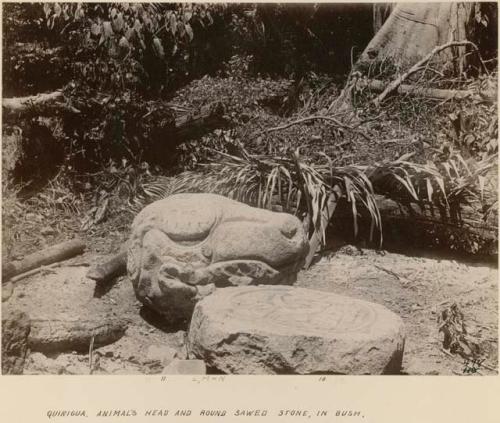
<point>417,67</point>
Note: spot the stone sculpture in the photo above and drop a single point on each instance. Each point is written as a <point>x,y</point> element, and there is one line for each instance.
<point>183,247</point>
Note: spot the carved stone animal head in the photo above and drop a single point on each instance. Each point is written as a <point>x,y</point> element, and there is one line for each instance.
<point>184,246</point>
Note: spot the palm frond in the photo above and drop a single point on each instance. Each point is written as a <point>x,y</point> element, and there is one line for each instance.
<point>293,185</point>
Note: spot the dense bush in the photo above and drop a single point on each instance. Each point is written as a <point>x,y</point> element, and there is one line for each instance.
<point>31,61</point>
<point>150,47</point>
<point>292,39</point>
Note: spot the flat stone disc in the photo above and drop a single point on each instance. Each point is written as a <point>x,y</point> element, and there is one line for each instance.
<point>64,312</point>
<point>288,330</point>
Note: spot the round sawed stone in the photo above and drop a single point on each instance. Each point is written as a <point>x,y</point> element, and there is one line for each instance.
<point>65,312</point>
<point>289,330</point>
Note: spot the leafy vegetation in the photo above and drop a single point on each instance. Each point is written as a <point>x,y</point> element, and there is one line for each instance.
<point>130,71</point>
<point>144,46</point>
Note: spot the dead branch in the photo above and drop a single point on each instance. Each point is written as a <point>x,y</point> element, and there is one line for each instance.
<point>426,225</point>
<point>308,119</point>
<point>50,255</point>
<point>106,271</point>
<point>48,268</point>
<point>431,93</point>
<point>190,126</point>
<point>417,67</point>
<point>54,100</point>
<point>18,104</point>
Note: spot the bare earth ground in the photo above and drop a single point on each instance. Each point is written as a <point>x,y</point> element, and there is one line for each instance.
<point>415,288</point>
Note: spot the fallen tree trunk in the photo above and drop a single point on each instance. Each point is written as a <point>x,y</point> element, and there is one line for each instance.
<point>21,104</point>
<point>191,126</point>
<point>30,68</point>
<point>106,271</point>
<point>53,254</point>
<point>424,226</point>
<point>432,93</point>
<point>27,50</point>
<point>186,126</point>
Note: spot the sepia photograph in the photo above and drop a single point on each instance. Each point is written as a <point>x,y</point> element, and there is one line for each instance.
<point>249,189</point>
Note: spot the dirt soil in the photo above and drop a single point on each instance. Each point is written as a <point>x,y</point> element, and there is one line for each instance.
<point>145,348</point>
<point>416,288</point>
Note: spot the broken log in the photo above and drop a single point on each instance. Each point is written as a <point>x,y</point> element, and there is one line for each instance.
<point>423,226</point>
<point>27,50</point>
<point>110,269</point>
<point>31,68</point>
<point>194,125</point>
<point>185,127</point>
<point>19,104</point>
<point>51,102</point>
<point>53,254</point>
<point>431,93</point>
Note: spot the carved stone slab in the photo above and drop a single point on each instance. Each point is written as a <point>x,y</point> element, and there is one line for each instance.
<point>287,330</point>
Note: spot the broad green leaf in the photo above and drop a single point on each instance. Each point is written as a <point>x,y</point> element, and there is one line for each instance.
<point>181,29</point>
<point>95,29</point>
<point>137,26</point>
<point>189,32</point>
<point>118,22</point>
<point>79,13</point>
<point>209,17</point>
<point>173,24</point>
<point>124,44</point>
<point>107,29</point>
<point>57,10</point>
<point>129,33</point>
<point>47,9</point>
<point>187,16</point>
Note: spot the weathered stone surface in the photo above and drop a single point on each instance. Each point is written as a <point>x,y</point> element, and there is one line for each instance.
<point>65,364</point>
<point>185,367</point>
<point>161,354</point>
<point>288,330</point>
<point>184,246</point>
<point>15,331</point>
<point>64,312</point>
<point>7,291</point>
<point>74,334</point>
